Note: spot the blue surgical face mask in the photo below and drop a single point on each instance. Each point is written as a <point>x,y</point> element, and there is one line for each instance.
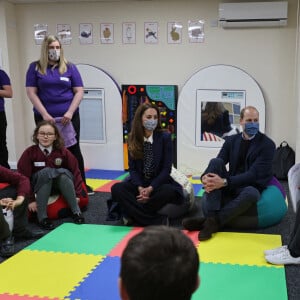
<point>150,124</point>
<point>251,128</point>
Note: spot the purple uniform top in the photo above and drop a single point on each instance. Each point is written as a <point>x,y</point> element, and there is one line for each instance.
<point>55,90</point>
<point>4,80</point>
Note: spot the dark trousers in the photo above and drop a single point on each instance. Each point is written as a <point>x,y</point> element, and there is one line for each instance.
<point>294,244</point>
<point>4,228</point>
<point>3,145</point>
<point>20,212</point>
<point>226,204</point>
<point>75,149</point>
<point>125,194</point>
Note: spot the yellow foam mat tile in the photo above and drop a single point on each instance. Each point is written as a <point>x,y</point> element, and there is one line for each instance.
<point>96,183</point>
<point>195,181</point>
<point>45,274</point>
<point>238,248</point>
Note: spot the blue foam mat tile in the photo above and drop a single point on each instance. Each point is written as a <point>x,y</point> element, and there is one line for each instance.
<point>103,174</point>
<point>101,283</point>
<point>197,188</point>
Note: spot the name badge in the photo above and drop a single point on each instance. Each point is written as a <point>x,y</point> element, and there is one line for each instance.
<point>64,79</point>
<point>39,164</point>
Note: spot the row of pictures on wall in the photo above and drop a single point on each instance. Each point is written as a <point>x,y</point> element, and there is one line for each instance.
<point>151,32</point>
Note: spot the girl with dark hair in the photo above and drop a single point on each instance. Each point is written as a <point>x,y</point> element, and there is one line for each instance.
<point>51,168</point>
<point>149,185</point>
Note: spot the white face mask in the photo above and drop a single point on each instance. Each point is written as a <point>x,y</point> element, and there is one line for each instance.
<point>54,54</point>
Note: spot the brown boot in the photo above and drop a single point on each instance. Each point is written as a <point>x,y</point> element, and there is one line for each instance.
<point>194,223</point>
<point>211,226</point>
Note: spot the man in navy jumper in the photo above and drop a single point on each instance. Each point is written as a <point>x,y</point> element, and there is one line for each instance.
<point>229,193</point>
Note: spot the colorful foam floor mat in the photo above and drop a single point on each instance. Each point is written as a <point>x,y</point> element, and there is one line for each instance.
<point>102,180</point>
<point>82,262</point>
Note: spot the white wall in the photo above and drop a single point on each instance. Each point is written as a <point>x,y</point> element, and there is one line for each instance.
<point>267,54</point>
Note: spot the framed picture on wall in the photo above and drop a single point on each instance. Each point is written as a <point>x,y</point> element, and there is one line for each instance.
<point>40,31</point>
<point>196,31</point>
<point>174,32</point>
<point>107,33</point>
<point>151,32</point>
<point>86,33</point>
<point>63,31</point>
<point>128,33</point>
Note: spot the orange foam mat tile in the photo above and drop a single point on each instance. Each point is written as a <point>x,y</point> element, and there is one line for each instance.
<point>45,274</point>
<point>119,248</point>
<point>238,248</point>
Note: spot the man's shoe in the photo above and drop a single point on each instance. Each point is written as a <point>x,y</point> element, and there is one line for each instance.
<point>283,258</point>
<point>90,190</point>
<point>193,224</point>
<point>7,247</point>
<point>78,218</point>
<point>210,226</point>
<point>29,234</point>
<point>275,251</point>
<point>46,224</point>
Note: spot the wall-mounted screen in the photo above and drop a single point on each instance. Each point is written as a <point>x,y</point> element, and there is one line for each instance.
<point>217,115</point>
<point>92,116</point>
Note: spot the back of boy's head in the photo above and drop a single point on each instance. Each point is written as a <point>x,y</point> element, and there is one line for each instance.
<point>160,263</point>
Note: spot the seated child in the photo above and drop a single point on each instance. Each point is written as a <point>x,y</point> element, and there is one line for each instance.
<point>51,168</point>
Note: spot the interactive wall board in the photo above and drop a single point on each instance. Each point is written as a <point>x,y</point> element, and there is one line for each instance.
<point>164,96</point>
<point>230,87</point>
<point>101,123</point>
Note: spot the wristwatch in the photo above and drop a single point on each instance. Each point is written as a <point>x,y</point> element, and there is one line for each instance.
<point>225,182</point>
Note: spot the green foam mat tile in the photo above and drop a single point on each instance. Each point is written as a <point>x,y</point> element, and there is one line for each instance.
<point>85,238</point>
<point>235,282</point>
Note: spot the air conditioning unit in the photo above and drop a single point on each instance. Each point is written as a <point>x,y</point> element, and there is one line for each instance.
<point>253,14</point>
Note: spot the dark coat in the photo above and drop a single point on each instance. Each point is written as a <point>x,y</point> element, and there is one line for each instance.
<point>258,163</point>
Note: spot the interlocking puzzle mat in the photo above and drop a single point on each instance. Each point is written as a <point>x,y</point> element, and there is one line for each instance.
<point>82,262</point>
<point>102,180</point>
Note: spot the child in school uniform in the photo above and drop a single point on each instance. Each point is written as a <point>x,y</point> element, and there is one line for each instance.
<point>51,168</point>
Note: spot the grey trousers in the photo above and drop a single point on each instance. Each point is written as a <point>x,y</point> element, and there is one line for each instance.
<point>50,181</point>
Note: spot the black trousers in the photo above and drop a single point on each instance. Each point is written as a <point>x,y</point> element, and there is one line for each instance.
<point>20,212</point>
<point>3,145</point>
<point>75,149</point>
<point>143,213</point>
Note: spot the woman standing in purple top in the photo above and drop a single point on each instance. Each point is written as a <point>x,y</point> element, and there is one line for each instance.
<point>5,92</point>
<point>55,88</point>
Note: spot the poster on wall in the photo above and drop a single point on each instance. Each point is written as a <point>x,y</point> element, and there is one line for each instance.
<point>40,31</point>
<point>196,31</point>
<point>174,31</point>
<point>63,31</point>
<point>151,32</point>
<point>85,33</point>
<point>107,33</point>
<point>128,33</point>
<point>165,97</point>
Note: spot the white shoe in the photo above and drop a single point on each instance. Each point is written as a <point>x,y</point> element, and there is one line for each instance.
<point>275,250</point>
<point>283,258</point>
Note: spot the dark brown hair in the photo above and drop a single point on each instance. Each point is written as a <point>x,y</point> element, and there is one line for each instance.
<point>136,135</point>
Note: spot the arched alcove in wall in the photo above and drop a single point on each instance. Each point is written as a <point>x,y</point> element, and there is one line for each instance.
<point>101,133</point>
<point>217,83</point>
